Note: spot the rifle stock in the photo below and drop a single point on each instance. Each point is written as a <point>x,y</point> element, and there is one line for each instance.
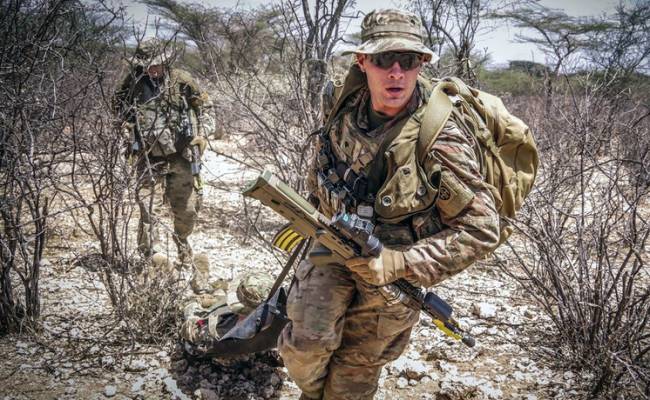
<point>347,243</point>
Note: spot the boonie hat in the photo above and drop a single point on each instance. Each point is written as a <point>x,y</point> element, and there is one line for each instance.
<point>246,293</point>
<point>392,30</point>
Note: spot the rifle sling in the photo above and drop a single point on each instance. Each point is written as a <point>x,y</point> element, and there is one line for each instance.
<point>287,267</point>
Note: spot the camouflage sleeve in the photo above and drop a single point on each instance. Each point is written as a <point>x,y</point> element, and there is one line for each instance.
<point>467,211</point>
<point>311,183</point>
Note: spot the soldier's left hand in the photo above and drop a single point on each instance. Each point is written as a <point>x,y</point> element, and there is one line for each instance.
<point>379,271</point>
<point>201,142</point>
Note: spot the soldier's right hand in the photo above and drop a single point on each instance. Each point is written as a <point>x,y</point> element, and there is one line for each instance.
<point>379,271</point>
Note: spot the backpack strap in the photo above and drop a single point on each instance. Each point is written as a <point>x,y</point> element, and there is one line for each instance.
<point>435,116</point>
<point>354,80</point>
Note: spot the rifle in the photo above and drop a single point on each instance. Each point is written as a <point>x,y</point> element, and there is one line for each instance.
<point>187,133</point>
<point>348,235</point>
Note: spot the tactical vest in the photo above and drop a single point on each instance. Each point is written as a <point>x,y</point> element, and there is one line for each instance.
<point>159,111</point>
<point>378,178</point>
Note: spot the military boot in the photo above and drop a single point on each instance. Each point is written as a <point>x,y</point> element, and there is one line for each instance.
<point>201,274</point>
<point>185,253</point>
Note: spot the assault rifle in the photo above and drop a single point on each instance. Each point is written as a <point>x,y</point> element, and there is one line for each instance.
<point>187,133</point>
<point>348,235</point>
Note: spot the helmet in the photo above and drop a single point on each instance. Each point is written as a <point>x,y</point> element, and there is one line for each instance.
<point>154,51</point>
<point>245,294</point>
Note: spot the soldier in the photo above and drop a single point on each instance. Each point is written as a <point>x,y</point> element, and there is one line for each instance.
<point>434,217</point>
<point>161,111</point>
<point>211,316</point>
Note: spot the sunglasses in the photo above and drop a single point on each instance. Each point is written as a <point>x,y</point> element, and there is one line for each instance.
<point>407,61</point>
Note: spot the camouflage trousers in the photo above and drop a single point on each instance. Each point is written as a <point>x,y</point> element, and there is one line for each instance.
<point>166,181</point>
<point>342,330</point>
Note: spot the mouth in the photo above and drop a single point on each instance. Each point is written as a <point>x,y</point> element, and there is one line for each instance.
<point>394,90</point>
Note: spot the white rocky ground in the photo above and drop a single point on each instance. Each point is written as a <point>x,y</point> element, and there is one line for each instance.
<point>82,354</point>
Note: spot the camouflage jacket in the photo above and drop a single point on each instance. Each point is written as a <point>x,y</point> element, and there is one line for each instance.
<point>461,226</point>
<point>156,109</point>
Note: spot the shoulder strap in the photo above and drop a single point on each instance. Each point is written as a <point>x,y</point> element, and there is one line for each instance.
<point>354,80</point>
<point>435,116</point>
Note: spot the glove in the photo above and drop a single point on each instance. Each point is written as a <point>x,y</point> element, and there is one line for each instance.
<point>201,142</point>
<point>379,271</point>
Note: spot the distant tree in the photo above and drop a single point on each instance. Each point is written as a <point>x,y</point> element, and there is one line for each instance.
<point>226,40</point>
<point>556,34</point>
<point>624,46</point>
<point>529,67</point>
<point>452,26</point>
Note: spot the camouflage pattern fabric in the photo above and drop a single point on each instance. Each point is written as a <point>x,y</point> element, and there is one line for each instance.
<point>342,330</point>
<point>154,51</point>
<point>170,181</point>
<point>153,106</point>
<point>248,292</point>
<point>242,297</point>
<point>392,30</point>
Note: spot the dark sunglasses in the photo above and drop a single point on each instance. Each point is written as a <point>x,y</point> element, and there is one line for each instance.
<point>407,61</point>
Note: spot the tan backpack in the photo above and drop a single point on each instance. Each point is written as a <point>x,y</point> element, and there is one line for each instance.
<point>509,154</point>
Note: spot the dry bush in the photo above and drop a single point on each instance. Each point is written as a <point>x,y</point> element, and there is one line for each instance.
<point>583,253</point>
<point>50,52</point>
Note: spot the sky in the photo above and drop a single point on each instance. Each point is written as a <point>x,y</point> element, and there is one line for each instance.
<point>499,42</point>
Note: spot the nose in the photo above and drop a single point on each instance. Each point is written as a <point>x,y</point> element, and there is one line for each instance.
<point>396,71</point>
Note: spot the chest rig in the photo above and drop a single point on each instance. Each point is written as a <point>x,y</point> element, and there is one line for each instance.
<point>377,177</point>
<point>163,113</point>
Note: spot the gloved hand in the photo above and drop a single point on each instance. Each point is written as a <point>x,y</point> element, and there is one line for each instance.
<point>201,142</point>
<point>379,271</point>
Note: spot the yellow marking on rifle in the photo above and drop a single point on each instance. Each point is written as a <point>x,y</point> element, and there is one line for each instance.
<point>443,328</point>
<point>287,238</point>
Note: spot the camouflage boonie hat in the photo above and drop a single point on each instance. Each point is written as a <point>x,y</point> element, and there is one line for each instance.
<point>245,294</point>
<point>153,52</point>
<point>392,30</point>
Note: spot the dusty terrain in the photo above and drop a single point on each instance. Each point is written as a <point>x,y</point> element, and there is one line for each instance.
<point>81,353</point>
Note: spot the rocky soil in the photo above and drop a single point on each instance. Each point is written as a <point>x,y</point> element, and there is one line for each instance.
<point>83,353</point>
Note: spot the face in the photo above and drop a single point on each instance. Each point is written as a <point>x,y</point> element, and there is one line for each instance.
<point>156,71</point>
<point>391,87</point>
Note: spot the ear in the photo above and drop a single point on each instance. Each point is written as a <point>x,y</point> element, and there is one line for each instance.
<point>361,61</point>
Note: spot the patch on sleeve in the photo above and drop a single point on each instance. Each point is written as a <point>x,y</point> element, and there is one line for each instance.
<point>453,195</point>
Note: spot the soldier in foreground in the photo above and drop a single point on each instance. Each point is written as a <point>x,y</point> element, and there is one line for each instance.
<point>161,109</point>
<point>434,217</point>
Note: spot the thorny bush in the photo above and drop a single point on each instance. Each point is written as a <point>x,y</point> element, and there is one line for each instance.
<point>582,252</point>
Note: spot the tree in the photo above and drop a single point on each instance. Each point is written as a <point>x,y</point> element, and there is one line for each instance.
<point>451,26</point>
<point>556,34</point>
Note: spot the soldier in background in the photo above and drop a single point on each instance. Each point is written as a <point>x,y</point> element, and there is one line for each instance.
<point>161,109</point>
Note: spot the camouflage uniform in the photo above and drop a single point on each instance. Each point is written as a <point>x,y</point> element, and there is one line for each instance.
<point>153,107</point>
<point>211,316</point>
<point>343,329</point>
